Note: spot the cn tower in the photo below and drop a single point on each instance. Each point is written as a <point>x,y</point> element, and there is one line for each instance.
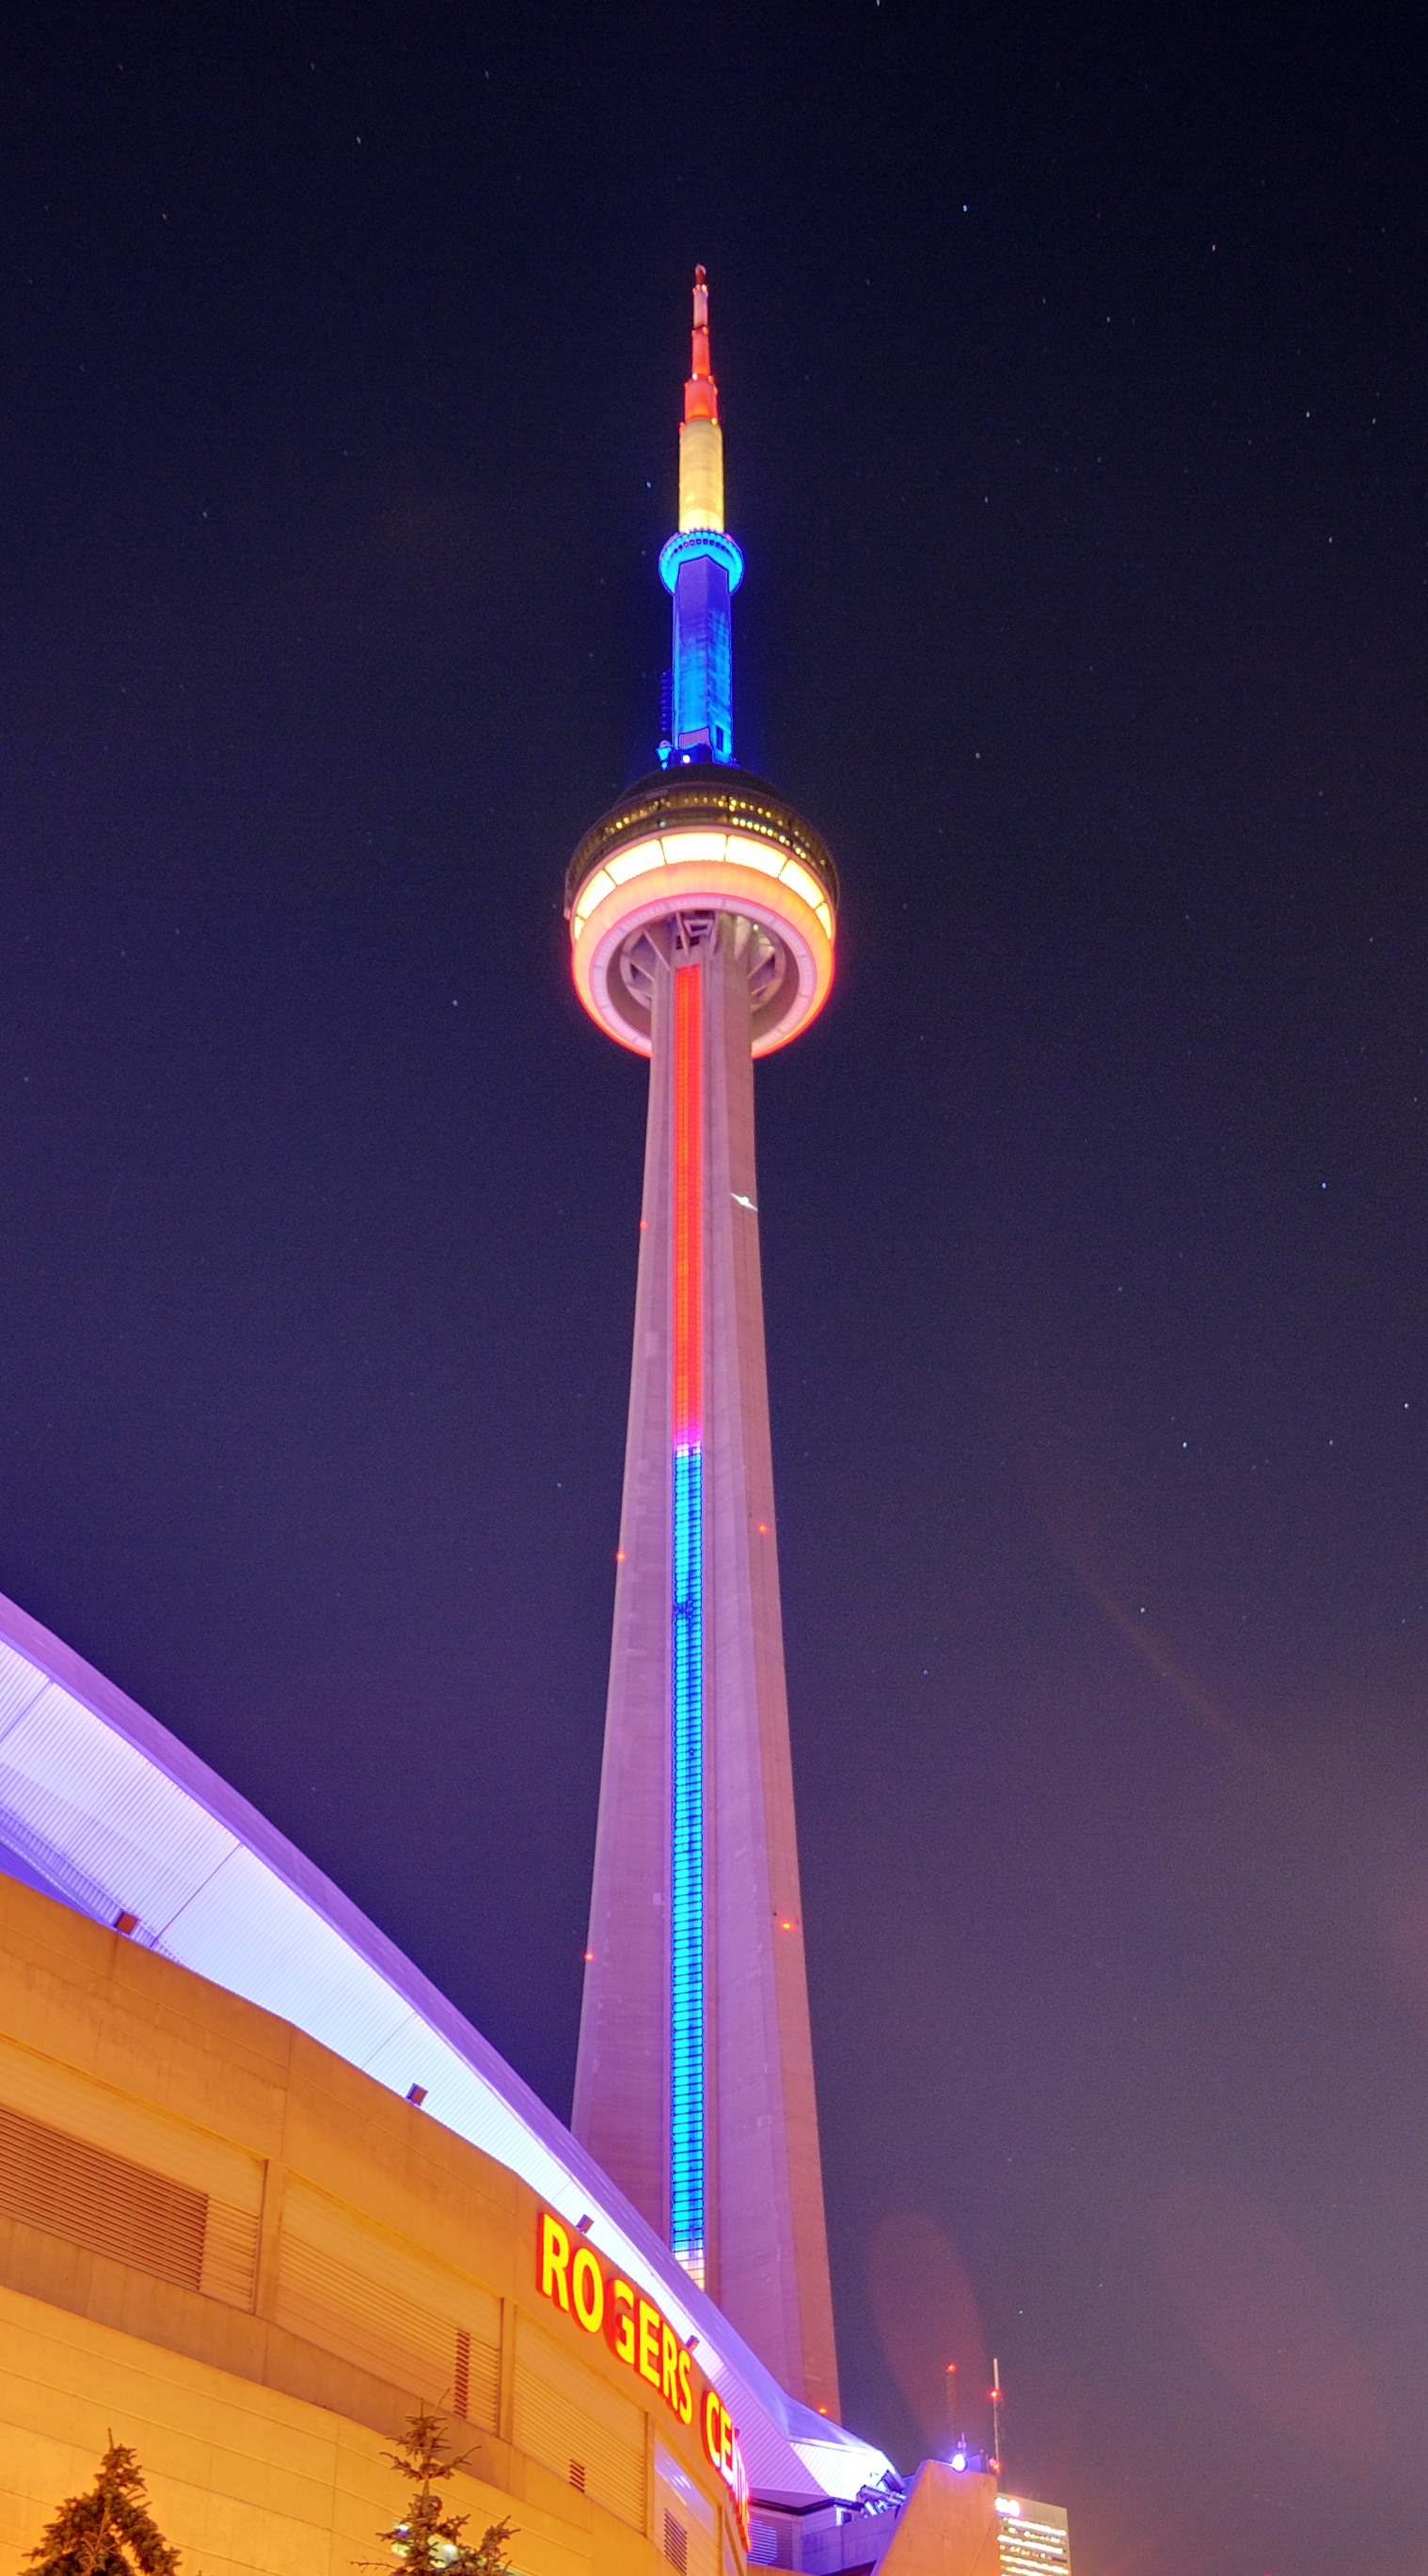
<point>701,912</point>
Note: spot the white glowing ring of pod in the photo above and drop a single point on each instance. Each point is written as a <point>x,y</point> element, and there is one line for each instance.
<point>693,871</point>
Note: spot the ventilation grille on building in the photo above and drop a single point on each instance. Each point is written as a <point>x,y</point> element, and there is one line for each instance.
<point>51,2180</point>
<point>682,2508</point>
<point>577,2475</point>
<point>346,2285</point>
<point>182,2163</point>
<point>564,2411</point>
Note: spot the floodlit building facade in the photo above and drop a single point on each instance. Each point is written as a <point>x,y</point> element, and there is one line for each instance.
<point>263,2191</point>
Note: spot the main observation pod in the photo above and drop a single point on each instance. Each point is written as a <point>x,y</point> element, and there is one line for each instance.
<point>683,846</point>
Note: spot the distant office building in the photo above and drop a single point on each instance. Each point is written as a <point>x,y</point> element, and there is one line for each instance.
<point>1032,2539</point>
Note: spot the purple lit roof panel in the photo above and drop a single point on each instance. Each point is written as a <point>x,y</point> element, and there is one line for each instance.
<point>20,1684</point>
<point>84,1795</point>
<point>246,1930</point>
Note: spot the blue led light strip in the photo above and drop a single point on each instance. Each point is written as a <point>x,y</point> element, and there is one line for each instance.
<point>686,2163</point>
<point>703,709</point>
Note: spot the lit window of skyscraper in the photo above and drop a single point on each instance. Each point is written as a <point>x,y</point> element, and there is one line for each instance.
<point>1032,2538</point>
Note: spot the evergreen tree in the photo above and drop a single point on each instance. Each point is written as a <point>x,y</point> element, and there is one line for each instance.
<point>110,2531</point>
<point>429,2541</point>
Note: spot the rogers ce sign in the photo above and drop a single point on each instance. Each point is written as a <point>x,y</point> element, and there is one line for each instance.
<point>571,2274</point>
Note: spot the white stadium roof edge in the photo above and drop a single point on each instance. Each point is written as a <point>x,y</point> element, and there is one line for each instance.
<point>102,1807</point>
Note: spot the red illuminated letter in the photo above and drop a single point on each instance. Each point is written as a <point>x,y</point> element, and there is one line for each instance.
<point>620,2322</point>
<point>686,2392</point>
<point>741,2490</point>
<point>587,2289</point>
<point>650,2322</point>
<point>554,2260</point>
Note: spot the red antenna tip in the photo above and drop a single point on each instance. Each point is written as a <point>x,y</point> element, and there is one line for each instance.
<point>701,401</point>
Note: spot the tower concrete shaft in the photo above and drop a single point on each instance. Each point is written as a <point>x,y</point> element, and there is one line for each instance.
<point>694,2086</point>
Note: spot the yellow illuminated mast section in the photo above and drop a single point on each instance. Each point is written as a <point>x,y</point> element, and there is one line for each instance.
<point>701,440</point>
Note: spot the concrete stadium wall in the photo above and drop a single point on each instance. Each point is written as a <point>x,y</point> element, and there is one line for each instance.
<point>252,2262</point>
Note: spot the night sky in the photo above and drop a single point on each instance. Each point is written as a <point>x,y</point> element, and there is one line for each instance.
<point>1072,370</point>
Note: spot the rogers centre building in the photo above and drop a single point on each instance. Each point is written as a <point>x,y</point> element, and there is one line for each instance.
<point>262,2190</point>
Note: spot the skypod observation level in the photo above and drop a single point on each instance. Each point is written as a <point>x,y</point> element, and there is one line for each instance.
<point>686,844</point>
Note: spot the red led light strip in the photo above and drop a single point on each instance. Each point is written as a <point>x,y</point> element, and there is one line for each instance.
<point>686,1911</point>
<point>688,1214</point>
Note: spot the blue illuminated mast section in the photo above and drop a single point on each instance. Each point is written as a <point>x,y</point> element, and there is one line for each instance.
<point>701,567</point>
